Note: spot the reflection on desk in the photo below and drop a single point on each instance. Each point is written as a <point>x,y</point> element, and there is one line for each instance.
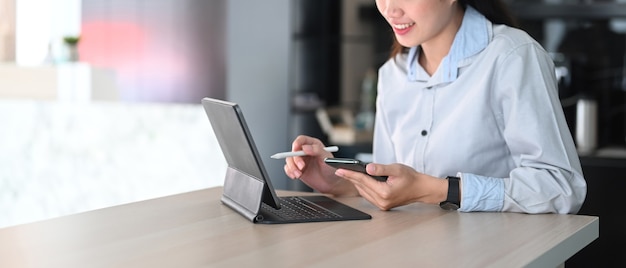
<point>194,229</point>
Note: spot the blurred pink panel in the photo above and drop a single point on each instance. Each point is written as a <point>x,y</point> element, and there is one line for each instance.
<point>160,50</point>
<point>108,44</point>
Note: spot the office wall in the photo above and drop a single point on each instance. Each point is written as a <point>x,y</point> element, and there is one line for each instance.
<point>258,38</point>
<point>160,50</point>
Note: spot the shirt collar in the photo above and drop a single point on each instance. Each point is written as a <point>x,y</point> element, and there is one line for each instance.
<point>472,37</point>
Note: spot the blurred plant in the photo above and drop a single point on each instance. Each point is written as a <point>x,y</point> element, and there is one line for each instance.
<point>72,44</point>
<point>71,40</point>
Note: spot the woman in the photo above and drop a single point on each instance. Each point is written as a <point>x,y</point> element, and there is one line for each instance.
<point>468,117</point>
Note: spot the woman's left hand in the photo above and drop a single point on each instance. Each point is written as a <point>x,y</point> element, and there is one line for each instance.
<point>403,186</point>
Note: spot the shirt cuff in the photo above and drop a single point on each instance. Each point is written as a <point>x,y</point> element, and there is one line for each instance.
<point>481,193</point>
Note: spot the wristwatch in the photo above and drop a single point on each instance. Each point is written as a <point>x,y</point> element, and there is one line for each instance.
<point>453,201</point>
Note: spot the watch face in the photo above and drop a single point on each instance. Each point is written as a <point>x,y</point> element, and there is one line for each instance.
<point>448,205</point>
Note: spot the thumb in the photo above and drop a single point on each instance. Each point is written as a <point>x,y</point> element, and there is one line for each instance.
<point>376,169</point>
<point>313,149</point>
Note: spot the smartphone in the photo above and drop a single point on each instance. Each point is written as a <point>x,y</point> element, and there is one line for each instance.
<point>351,164</point>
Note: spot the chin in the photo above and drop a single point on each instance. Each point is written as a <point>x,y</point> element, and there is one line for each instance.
<point>407,43</point>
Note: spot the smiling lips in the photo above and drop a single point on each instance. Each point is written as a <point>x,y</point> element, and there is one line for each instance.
<point>404,28</point>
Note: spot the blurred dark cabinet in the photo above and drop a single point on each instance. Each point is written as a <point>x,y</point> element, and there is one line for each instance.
<point>606,181</point>
<point>531,10</point>
<point>588,44</point>
<point>316,51</point>
<point>315,62</point>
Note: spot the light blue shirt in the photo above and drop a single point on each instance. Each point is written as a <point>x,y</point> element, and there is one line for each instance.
<point>490,114</point>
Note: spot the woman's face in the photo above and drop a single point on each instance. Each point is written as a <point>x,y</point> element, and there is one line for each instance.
<point>416,22</point>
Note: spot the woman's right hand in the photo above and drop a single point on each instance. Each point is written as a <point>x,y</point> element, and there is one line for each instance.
<point>312,170</point>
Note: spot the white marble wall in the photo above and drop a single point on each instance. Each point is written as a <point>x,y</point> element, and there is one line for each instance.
<point>60,158</point>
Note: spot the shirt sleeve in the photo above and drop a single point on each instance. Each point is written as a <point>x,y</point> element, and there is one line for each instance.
<point>548,177</point>
<point>481,193</point>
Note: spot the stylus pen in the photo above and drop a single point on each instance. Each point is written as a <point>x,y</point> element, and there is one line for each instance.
<point>301,153</point>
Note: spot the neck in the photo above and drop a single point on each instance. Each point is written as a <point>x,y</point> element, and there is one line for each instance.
<point>435,49</point>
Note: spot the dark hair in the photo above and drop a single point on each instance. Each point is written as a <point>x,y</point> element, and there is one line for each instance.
<point>495,11</point>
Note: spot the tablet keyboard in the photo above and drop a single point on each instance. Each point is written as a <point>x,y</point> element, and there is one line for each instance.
<point>295,208</point>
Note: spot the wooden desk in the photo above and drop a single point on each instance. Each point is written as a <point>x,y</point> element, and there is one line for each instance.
<point>195,229</point>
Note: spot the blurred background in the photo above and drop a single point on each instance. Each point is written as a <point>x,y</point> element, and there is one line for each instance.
<point>100,99</point>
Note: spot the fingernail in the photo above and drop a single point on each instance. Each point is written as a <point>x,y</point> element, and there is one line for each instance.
<point>300,164</point>
<point>372,168</point>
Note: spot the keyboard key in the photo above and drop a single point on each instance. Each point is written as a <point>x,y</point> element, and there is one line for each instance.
<point>295,208</point>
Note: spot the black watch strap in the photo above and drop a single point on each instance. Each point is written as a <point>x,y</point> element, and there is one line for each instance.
<point>452,201</point>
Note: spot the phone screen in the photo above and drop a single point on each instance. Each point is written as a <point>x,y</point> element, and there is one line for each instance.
<point>351,164</point>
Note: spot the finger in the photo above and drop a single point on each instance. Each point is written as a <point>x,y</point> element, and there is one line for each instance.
<point>358,177</point>
<point>303,140</point>
<point>368,187</point>
<point>297,162</point>
<point>374,197</point>
<point>308,145</point>
<point>288,172</point>
<point>367,194</point>
<point>297,145</point>
<point>292,169</point>
<point>316,149</point>
<point>380,169</point>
